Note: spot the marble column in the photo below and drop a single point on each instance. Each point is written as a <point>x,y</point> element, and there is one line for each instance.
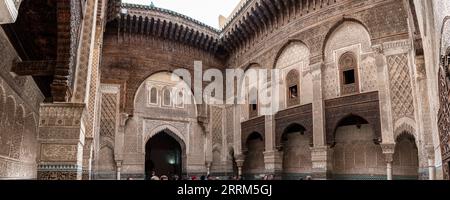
<point>388,151</point>
<point>120,137</point>
<point>118,169</point>
<point>240,163</point>
<point>431,162</point>
<point>208,167</point>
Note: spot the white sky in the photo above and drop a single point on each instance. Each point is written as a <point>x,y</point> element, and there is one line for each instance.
<point>206,11</point>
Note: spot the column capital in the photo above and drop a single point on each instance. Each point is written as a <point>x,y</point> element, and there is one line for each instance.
<point>123,117</point>
<point>388,151</point>
<point>388,148</point>
<point>429,149</point>
<point>119,163</point>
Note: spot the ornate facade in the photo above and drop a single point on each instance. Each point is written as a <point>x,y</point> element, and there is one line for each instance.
<point>87,90</point>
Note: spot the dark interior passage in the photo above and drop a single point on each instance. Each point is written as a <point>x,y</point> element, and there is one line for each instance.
<point>163,156</point>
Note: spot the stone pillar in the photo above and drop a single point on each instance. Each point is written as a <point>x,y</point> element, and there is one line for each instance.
<point>273,159</point>
<point>322,165</point>
<point>118,168</point>
<point>387,130</point>
<point>208,167</point>
<point>431,165</point>
<point>87,158</point>
<point>388,151</point>
<point>240,163</point>
<point>120,137</point>
<point>61,141</point>
<point>86,53</point>
<point>425,117</point>
<point>9,9</point>
<point>321,154</point>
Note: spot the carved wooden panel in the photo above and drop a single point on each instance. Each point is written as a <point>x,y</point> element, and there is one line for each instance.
<point>250,126</point>
<point>444,120</point>
<point>364,105</point>
<point>301,115</point>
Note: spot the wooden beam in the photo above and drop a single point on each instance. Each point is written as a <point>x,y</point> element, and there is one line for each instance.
<point>34,68</point>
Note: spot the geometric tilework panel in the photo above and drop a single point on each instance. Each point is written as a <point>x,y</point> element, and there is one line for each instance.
<point>400,86</point>
<point>108,115</point>
<point>216,115</point>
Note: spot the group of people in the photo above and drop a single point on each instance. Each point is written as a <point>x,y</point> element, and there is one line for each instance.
<point>209,177</point>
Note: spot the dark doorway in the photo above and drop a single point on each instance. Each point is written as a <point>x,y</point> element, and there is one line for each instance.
<point>163,156</point>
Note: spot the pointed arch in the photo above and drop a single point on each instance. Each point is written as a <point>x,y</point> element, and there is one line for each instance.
<point>336,26</point>
<point>286,46</point>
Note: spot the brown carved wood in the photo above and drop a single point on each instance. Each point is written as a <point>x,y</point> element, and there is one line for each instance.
<point>248,127</point>
<point>364,105</point>
<point>34,68</point>
<point>301,115</point>
<point>69,22</point>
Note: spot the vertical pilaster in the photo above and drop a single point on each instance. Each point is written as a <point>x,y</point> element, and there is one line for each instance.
<point>387,130</point>
<point>431,162</point>
<point>84,67</point>
<point>119,169</point>
<point>321,154</point>
<point>61,141</point>
<point>388,151</point>
<point>273,159</point>
<point>87,158</point>
<point>425,124</point>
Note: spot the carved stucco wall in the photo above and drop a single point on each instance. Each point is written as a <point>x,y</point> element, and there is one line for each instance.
<point>109,110</point>
<point>295,56</point>
<point>19,106</point>
<point>349,37</point>
<point>149,120</point>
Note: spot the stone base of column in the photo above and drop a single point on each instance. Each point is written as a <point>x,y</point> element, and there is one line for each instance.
<point>273,162</point>
<point>322,165</point>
